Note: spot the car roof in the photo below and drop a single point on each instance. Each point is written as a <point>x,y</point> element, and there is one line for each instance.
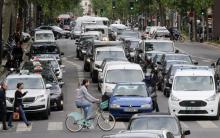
<point>43,31</point>
<point>114,59</point>
<point>194,72</point>
<point>91,33</point>
<point>156,52</point>
<point>124,66</point>
<point>130,83</point>
<point>108,48</point>
<point>153,114</point>
<point>158,40</point>
<point>18,75</point>
<point>107,43</point>
<point>96,26</point>
<point>138,133</point>
<point>175,54</point>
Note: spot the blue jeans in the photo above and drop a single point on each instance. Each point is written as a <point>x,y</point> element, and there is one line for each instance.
<point>86,106</point>
<point>22,115</point>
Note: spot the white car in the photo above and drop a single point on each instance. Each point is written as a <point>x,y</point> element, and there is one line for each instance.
<point>44,36</point>
<point>37,100</point>
<point>114,74</point>
<point>102,53</point>
<point>194,93</point>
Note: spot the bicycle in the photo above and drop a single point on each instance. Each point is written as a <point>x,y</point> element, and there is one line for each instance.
<point>75,121</point>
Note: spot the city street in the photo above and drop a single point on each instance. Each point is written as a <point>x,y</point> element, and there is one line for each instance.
<point>73,74</point>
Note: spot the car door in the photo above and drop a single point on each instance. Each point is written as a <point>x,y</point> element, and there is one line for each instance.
<point>218,68</point>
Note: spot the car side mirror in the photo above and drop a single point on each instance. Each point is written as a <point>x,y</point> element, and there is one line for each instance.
<point>32,39</point>
<point>177,51</point>
<point>62,53</point>
<point>186,132</point>
<point>48,86</point>
<point>77,40</point>
<point>213,65</point>
<point>159,63</point>
<point>195,63</point>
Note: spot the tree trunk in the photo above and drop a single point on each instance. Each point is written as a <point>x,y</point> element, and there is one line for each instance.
<point>1,44</point>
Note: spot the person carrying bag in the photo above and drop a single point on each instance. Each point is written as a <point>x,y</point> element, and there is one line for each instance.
<point>18,106</point>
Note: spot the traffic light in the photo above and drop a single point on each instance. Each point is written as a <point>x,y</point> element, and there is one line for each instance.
<point>113,4</point>
<point>131,5</point>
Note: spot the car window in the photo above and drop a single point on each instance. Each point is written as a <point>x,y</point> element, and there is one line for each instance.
<point>193,83</point>
<point>138,90</point>
<point>44,36</point>
<point>29,83</point>
<point>45,50</point>
<point>155,123</point>
<point>101,55</point>
<point>159,46</point>
<point>179,57</point>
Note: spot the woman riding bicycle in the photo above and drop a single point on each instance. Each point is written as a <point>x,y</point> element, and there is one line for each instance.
<point>84,99</point>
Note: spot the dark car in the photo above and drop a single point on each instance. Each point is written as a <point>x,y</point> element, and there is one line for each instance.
<point>142,134</point>
<point>44,49</point>
<point>131,46</point>
<point>157,121</point>
<point>57,31</point>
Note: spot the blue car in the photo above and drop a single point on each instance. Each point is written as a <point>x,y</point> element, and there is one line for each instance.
<point>128,99</point>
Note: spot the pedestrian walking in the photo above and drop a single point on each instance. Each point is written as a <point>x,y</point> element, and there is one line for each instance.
<point>18,105</point>
<point>3,111</point>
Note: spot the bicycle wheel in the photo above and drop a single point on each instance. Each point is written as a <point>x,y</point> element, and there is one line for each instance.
<point>71,124</point>
<point>106,121</point>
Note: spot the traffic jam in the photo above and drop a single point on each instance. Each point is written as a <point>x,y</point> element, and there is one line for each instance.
<point>129,69</point>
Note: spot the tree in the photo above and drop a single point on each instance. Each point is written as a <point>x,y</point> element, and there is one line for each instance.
<point>1,44</point>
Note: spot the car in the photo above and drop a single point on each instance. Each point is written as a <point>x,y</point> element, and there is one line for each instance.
<point>131,46</point>
<point>100,28</point>
<point>141,134</point>
<point>90,51</point>
<point>128,99</point>
<point>56,94</point>
<point>116,30</point>
<point>194,93</point>
<point>44,36</point>
<point>146,33</point>
<point>45,49</point>
<point>157,121</point>
<point>216,65</point>
<point>37,100</point>
<point>52,63</point>
<point>75,33</point>
<point>128,34</point>
<point>113,74</point>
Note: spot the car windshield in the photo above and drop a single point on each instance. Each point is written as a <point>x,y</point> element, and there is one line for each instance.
<point>101,55</point>
<point>54,63</point>
<point>155,123</point>
<point>193,83</point>
<point>96,29</point>
<point>48,77</point>
<point>179,57</point>
<point>123,75</point>
<point>138,90</point>
<point>57,28</point>
<point>29,83</point>
<point>44,36</point>
<point>132,34</point>
<point>45,50</point>
<point>159,46</point>
<point>134,44</point>
<point>168,64</point>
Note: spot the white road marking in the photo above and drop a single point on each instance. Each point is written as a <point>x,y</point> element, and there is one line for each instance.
<point>21,127</point>
<point>184,125</point>
<point>55,126</point>
<point>120,125</point>
<point>207,124</point>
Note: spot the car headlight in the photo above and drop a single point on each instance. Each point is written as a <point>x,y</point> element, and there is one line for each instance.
<point>88,59</point>
<point>105,39</point>
<point>146,106</point>
<point>114,106</point>
<point>212,98</point>
<point>173,98</point>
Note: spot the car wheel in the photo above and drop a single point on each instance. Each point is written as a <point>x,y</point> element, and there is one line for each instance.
<point>46,114</point>
<point>60,105</point>
<point>77,54</point>
<point>86,67</point>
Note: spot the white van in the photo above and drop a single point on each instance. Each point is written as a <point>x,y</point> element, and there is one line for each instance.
<point>44,36</point>
<point>194,93</point>
<point>120,73</point>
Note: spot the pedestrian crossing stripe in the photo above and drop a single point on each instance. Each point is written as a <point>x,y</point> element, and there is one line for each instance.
<point>22,127</point>
<point>55,126</point>
<point>207,124</point>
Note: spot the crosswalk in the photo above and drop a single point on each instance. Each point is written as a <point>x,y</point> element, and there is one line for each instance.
<point>60,126</point>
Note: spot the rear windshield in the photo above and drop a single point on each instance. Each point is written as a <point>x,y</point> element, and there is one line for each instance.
<point>45,50</point>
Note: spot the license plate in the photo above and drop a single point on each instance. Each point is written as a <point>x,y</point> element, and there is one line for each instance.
<point>192,108</point>
<point>130,110</point>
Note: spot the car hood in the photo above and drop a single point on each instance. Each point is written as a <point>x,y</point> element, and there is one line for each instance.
<point>193,95</point>
<point>48,55</point>
<point>31,92</point>
<point>128,100</point>
<point>44,41</point>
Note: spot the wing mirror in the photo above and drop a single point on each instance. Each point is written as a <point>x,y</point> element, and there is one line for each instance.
<point>186,132</point>
<point>195,63</point>
<point>213,65</point>
<point>177,51</point>
<point>48,86</point>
